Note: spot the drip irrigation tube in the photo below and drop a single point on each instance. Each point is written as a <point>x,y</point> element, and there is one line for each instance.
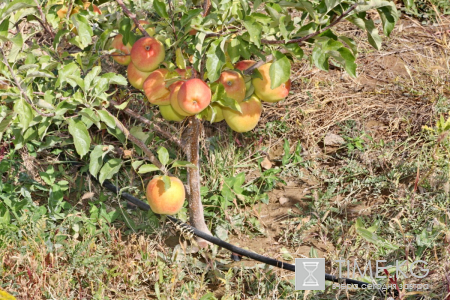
<point>267,260</point>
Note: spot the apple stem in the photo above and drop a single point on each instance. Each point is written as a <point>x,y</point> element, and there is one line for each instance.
<point>190,141</point>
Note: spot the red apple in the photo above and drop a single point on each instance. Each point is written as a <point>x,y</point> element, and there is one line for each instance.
<point>244,64</point>
<point>123,52</point>
<point>234,85</point>
<point>136,77</point>
<point>155,87</point>
<point>162,201</point>
<point>147,54</point>
<point>174,88</point>
<point>194,96</point>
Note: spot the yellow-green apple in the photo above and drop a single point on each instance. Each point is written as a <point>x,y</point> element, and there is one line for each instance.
<point>165,201</point>
<point>234,85</point>
<point>219,113</point>
<point>122,55</point>
<point>144,23</point>
<point>136,77</point>
<point>155,87</point>
<point>174,88</point>
<point>248,119</point>
<point>147,53</point>
<point>169,114</point>
<point>244,64</point>
<point>194,96</point>
<point>262,86</point>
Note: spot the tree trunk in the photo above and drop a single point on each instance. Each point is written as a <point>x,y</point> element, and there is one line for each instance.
<point>190,141</point>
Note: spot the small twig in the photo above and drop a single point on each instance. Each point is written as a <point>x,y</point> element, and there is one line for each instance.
<point>43,94</point>
<point>140,144</point>
<point>152,125</point>
<point>24,94</point>
<point>171,7</point>
<point>132,17</point>
<point>43,20</point>
<point>206,7</point>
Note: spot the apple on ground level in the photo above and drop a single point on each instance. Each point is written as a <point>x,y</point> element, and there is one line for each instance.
<point>147,53</point>
<point>262,86</point>
<point>248,119</point>
<point>162,201</point>
<point>194,96</point>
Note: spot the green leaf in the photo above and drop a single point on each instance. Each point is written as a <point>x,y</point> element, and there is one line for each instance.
<point>295,50</point>
<point>80,135</point>
<point>58,37</point>
<point>163,155</point>
<point>125,30</point>
<point>115,78</point>
<point>4,26</point>
<point>6,116</point>
<point>91,76</point>
<point>320,58</point>
<point>25,112</point>
<point>167,182</point>
<point>221,98</point>
<point>280,70</point>
<point>96,160</point>
<point>389,17</point>
<point>284,32</point>
<point>215,59</point>
<point>349,61</point>
<point>185,164</point>
<point>84,30</point>
<point>192,13</point>
<point>180,62</point>
<point>375,239</point>
<point>139,133</point>
<point>147,168</point>
<point>110,168</point>
<point>135,164</point>
<point>107,118</point>
<point>254,29</point>
<point>67,74</point>
<point>160,8</point>
<point>15,6</point>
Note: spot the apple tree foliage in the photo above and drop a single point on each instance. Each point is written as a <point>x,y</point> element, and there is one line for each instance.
<point>56,85</point>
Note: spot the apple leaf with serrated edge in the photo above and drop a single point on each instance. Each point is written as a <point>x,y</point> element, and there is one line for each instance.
<point>167,182</point>
<point>221,98</point>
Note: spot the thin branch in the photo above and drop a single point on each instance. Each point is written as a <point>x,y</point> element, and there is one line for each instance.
<point>43,20</point>
<point>24,94</point>
<point>132,17</point>
<point>140,144</point>
<point>249,70</point>
<point>206,7</point>
<point>152,125</point>
<point>299,40</point>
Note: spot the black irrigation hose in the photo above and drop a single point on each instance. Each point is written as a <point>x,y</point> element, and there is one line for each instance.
<point>228,246</point>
